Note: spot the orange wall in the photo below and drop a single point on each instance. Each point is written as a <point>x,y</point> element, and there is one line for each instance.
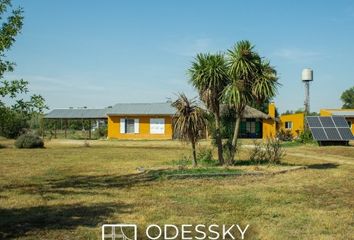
<point>269,128</point>
<point>325,113</point>
<point>144,128</point>
<point>352,121</point>
<point>298,123</point>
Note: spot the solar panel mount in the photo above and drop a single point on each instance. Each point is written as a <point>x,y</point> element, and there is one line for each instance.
<point>329,128</point>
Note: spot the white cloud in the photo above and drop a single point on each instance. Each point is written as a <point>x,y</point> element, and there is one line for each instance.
<point>45,83</point>
<point>297,54</point>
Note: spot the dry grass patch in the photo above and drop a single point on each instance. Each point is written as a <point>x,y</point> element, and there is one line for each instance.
<point>67,191</point>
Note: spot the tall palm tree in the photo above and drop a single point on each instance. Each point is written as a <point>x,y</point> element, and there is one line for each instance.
<point>208,74</point>
<point>251,80</point>
<point>189,121</point>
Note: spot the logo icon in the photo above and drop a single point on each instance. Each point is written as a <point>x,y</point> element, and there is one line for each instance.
<point>119,232</point>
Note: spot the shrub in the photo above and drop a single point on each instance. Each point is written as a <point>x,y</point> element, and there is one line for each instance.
<point>258,154</point>
<point>285,135</point>
<point>274,150</point>
<point>86,144</point>
<point>101,132</point>
<point>29,140</point>
<point>305,137</point>
<point>205,156</point>
<point>12,124</point>
<point>269,152</point>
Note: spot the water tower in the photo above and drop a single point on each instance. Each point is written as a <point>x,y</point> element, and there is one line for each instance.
<point>307,77</point>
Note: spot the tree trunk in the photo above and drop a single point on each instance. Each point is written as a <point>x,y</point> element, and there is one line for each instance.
<point>194,154</point>
<point>218,139</point>
<point>234,139</point>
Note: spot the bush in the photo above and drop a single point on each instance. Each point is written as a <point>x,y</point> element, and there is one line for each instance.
<point>86,144</point>
<point>305,137</point>
<point>205,156</point>
<point>258,154</point>
<point>101,132</point>
<point>270,152</point>
<point>12,124</point>
<point>285,135</point>
<point>274,150</point>
<point>29,140</point>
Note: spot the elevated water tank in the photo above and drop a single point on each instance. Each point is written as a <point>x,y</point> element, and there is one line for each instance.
<point>307,74</point>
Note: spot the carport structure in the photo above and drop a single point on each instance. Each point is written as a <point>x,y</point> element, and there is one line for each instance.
<point>83,114</point>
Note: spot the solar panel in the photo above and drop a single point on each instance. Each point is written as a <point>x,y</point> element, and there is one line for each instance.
<point>327,122</point>
<point>346,134</point>
<point>329,128</point>
<point>319,134</point>
<point>332,134</point>
<point>340,122</point>
<point>313,122</point>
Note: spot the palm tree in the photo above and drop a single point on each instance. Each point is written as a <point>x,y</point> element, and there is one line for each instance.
<point>251,80</point>
<point>208,74</point>
<point>189,121</point>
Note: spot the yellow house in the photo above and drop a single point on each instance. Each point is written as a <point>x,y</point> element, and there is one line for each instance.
<point>256,124</point>
<point>347,113</point>
<point>155,120</point>
<point>292,122</point>
<point>140,121</point>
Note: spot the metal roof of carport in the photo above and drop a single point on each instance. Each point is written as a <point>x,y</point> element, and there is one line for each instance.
<point>348,114</point>
<point>118,109</point>
<point>77,114</point>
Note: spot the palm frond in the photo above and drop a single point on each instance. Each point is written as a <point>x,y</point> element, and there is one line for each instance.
<point>189,119</point>
<point>209,76</point>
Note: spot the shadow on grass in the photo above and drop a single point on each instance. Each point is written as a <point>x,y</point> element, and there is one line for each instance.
<point>101,181</point>
<point>323,166</point>
<point>254,163</point>
<point>76,185</point>
<point>17,222</point>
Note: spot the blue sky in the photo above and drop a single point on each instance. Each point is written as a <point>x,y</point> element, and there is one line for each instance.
<point>98,53</point>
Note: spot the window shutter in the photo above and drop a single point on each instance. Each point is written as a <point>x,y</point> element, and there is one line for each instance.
<point>136,125</point>
<point>122,125</point>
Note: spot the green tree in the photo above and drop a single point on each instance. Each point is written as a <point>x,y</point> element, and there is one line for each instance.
<point>189,122</point>
<point>11,24</point>
<point>252,80</point>
<point>208,74</point>
<point>348,98</point>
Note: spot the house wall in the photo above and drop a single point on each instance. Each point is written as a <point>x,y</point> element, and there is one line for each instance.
<point>352,125</point>
<point>144,128</point>
<point>269,128</point>
<point>325,113</point>
<point>297,120</point>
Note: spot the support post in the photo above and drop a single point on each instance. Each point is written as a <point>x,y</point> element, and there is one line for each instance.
<point>66,126</point>
<point>55,129</point>
<point>90,126</point>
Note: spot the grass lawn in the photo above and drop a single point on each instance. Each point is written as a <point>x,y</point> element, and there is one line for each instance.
<point>67,191</point>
